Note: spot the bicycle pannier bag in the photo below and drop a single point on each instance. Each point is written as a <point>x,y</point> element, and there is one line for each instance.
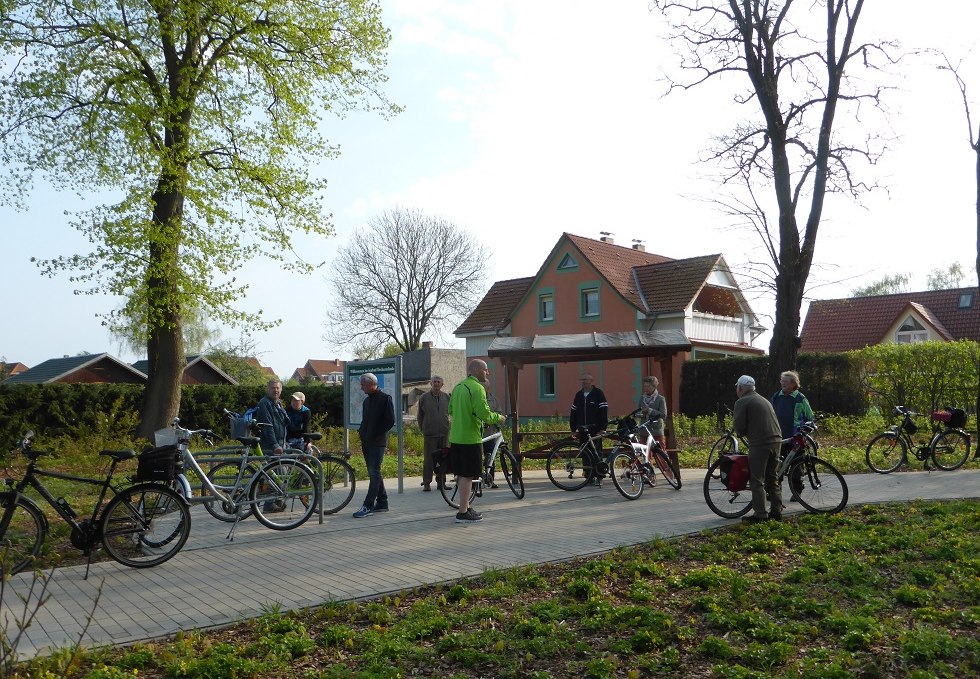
<point>440,461</point>
<point>159,464</point>
<point>957,418</point>
<point>734,472</point>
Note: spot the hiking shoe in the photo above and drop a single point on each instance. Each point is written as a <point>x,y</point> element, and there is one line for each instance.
<point>469,517</point>
<point>362,512</point>
<point>379,510</point>
<point>752,518</point>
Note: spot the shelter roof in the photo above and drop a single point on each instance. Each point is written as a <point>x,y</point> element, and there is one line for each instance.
<point>576,347</point>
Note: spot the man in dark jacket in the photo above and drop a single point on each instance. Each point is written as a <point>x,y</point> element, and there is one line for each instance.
<point>270,411</point>
<point>591,410</point>
<point>755,419</point>
<point>377,419</point>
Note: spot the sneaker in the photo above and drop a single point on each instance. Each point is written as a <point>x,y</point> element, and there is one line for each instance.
<point>379,510</point>
<point>362,512</point>
<point>752,518</point>
<point>493,485</point>
<point>469,517</point>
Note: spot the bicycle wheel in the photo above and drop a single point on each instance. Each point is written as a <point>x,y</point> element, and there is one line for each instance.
<point>224,476</point>
<point>885,453</point>
<point>451,493</point>
<point>824,489</point>
<point>22,531</point>
<point>284,494</point>
<point>723,502</point>
<point>627,476</point>
<point>145,525</point>
<point>726,445</point>
<point>511,472</point>
<point>666,467</point>
<point>951,449</point>
<point>338,484</point>
<point>568,467</point>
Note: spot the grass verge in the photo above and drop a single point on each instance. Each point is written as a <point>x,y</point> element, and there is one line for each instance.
<point>876,591</point>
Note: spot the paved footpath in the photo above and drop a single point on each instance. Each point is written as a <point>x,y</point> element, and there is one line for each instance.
<point>215,582</point>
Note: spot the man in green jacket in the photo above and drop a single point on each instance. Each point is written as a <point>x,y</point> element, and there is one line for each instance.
<point>469,411</point>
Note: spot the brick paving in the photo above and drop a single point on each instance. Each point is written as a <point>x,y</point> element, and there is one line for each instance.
<point>214,582</point>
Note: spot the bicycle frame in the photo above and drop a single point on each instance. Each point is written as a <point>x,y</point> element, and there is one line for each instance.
<point>65,511</point>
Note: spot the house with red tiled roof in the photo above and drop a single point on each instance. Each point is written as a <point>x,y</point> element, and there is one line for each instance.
<point>319,370</point>
<point>858,322</point>
<point>81,369</point>
<point>255,363</point>
<point>11,369</point>
<point>586,286</point>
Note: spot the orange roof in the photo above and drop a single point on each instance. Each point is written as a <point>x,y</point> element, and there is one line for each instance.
<point>857,322</point>
<point>323,367</point>
<point>494,310</point>
<point>615,263</point>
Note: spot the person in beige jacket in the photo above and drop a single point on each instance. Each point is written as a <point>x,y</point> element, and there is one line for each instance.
<point>433,421</point>
<point>755,419</point>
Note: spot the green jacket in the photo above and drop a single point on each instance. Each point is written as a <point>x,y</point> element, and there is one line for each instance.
<point>469,411</point>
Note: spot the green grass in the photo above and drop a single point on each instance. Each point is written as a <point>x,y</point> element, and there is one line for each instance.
<point>879,591</point>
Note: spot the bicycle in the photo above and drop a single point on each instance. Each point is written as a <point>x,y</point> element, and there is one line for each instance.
<point>824,488</point>
<point>631,467</point>
<point>949,447</point>
<point>281,492</point>
<point>141,526</point>
<point>574,463</point>
<point>338,475</point>
<point>508,466</point>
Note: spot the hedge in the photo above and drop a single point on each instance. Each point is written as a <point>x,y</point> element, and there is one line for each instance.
<point>77,410</point>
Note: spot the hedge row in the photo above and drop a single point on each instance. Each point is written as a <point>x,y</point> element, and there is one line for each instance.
<point>77,410</point>
<point>831,382</point>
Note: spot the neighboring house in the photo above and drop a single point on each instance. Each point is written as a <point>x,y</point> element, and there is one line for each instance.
<point>419,366</point>
<point>266,370</point>
<point>907,317</point>
<point>587,286</point>
<point>80,369</point>
<point>11,369</point>
<point>327,372</point>
<point>199,370</point>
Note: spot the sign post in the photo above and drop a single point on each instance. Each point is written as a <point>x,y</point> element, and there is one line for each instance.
<point>389,374</point>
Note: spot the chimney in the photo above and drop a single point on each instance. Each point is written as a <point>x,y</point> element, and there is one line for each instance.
<point>638,245</point>
<point>606,237</point>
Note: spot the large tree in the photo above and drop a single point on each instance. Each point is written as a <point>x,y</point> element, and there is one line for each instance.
<point>796,62</point>
<point>201,116</point>
<point>408,274</point>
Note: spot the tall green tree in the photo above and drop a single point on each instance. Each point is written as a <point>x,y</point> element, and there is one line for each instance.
<point>793,63</point>
<point>886,285</point>
<point>201,116</point>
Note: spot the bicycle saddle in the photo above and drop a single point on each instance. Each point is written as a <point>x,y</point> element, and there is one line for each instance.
<point>312,436</point>
<point>119,455</point>
<point>248,441</point>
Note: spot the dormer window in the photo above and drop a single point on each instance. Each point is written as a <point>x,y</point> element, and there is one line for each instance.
<point>911,332</point>
<point>567,263</point>
<point>966,300</point>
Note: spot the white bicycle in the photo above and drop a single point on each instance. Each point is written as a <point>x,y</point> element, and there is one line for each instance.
<point>508,466</point>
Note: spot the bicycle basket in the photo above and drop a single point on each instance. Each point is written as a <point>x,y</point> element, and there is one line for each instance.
<point>909,426</point>
<point>240,428</point>
<point>160,464</point>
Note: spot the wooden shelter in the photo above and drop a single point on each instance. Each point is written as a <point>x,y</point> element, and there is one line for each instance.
<point>516,352</point>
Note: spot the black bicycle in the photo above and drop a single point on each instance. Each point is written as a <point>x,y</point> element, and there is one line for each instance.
<point>141,526</point>
<point>949,447</point>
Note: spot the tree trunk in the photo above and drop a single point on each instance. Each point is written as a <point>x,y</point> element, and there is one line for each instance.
<point>784,347</point>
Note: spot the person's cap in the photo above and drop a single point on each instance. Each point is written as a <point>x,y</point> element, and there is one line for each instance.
<point>745,381</point>
<point>298,396</point>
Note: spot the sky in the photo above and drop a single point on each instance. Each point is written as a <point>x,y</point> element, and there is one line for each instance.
<point>524,119</point>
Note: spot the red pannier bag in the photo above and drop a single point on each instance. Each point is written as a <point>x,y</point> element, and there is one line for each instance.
<point>735,472</point>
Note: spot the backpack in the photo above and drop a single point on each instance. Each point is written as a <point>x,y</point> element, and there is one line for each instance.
<point>734,472</point>
<point>241,424</point>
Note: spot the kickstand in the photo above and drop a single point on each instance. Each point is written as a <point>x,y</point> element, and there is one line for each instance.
<point>88,562</point>
<point>231,534</point>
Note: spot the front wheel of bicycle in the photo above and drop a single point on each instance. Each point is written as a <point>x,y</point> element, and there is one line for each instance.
<point>145,525</point>
<point>951,449</point>
<point>667,468</point>
<point>450,493</point>
<point>824,489</point>
<point>284,494</point>
<point>726,445</point>
<point>627,475</point>
<point>338,484</point>
<point>568,468</point>
<point>22,532</point>
<point>885,453</point>
<point>512,473</point>
<point>224,476</point>
<point>723,502</point>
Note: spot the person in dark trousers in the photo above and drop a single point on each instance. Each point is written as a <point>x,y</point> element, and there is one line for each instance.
<point>270,411</point>
<point>377,419</point>
<point>755,419</point>
<point>433,421</point>
<point>591,410</point>
<point>792,410</point>
<point>299,421</point>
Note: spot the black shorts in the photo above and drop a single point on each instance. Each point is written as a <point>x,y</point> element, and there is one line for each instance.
<point>466,459</point>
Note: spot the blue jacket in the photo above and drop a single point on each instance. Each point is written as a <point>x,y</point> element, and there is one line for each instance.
<point>271,412</point>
